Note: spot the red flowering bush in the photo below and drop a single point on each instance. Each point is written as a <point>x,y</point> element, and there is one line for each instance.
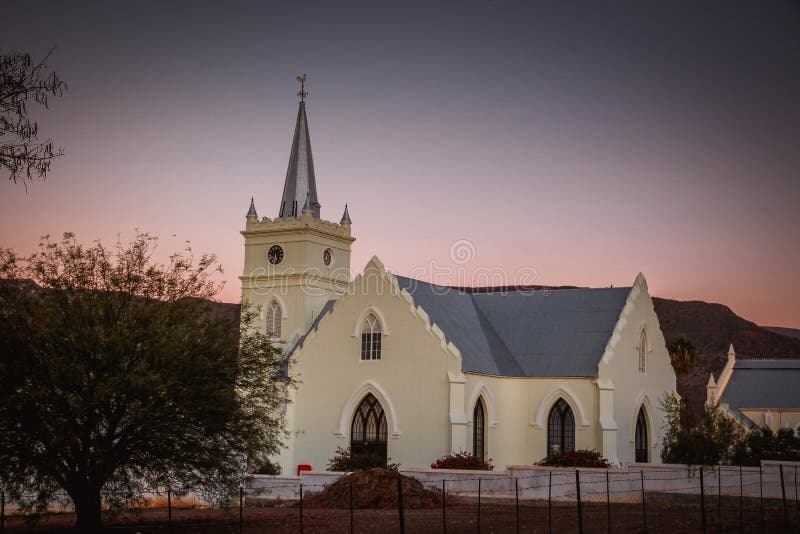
<point>579,458</point>
<point>462,460</point>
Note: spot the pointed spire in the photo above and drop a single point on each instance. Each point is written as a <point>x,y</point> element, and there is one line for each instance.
<point>307,206</point>
<point>300,181</point>
<point>345,216</point>
<point>252,211</point>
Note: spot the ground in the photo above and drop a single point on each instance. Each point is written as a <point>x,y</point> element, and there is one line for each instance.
<point>665,514</point>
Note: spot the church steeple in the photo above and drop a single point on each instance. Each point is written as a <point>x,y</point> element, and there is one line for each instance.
<point>300,185</point>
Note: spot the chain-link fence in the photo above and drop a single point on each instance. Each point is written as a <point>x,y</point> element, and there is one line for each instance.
<point>635,499</point>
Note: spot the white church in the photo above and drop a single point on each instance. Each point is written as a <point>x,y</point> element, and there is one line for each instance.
<point>413,371</point>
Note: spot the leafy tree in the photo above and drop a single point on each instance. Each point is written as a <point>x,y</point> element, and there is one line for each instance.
<point>23,82</point>
<point>683,355</point>
<point>764,444</point>
<point>711,438</point>
<point>117,375</point>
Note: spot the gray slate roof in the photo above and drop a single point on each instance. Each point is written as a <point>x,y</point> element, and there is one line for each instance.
<point>763,384</point>
<point>300,185</point>
<point>557,333</point>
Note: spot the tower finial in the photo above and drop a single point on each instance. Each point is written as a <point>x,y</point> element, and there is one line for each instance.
<point>303,93</point>
<point>251,213</point>
<point>345,216</point>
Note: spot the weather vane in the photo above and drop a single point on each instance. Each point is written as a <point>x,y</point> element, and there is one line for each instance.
<point>303,93</point>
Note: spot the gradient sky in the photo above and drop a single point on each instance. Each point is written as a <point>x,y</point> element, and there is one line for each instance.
<point>586,140</point>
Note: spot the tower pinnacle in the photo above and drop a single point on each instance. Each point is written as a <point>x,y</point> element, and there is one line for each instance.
<point>300,181</point>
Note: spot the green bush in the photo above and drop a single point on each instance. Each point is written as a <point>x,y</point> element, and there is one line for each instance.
<point>346,460</point>
<point>462,460</point>
<point>579,458</point>
<point>268,468</point>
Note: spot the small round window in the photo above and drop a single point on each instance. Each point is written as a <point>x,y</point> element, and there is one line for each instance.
<point>327,256</point>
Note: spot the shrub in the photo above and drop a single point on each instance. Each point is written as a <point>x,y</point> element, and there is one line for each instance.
<point>268,468</point>
<point>347,460</point>
<point>462,460</point>
<point>579,458</point>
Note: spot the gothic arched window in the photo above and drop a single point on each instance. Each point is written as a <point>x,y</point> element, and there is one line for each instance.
<point>371,338</point>
<point>641,437</point>
<point>369,430</point>
<point>643,352</point>
<point>478,431</point>
<point>560,428</point>
<point>274,319</point>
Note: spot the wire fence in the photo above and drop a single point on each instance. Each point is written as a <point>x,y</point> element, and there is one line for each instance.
<point>652,499</point>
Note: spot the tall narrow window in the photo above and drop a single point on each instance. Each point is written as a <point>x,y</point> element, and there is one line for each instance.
<point>560,428</point>
<point>274,319</point>
<point>478,431</point>
<point>641,437</point>
<point>643,352</point>
<point>371,339</point>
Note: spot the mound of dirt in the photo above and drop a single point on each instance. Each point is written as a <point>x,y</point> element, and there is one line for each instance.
<point>376,488</point>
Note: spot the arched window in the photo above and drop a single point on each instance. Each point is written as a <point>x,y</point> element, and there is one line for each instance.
<point>643,352</point>
<point>479,430</point>
<point>371,338</point>
<point>369,430</point>
<point>641,437</point>
<point>274,319</point>
<point>560,428</point>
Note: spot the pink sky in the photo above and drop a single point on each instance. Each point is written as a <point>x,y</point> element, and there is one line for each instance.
<point>586,159</point>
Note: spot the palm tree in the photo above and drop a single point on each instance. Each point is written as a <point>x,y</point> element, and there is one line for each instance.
<point>683,355</point>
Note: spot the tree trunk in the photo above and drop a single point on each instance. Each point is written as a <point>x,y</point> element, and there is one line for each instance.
<point>87,508</point>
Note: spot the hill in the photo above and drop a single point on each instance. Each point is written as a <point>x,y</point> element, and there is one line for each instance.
<point>782,330</point>
<point>712,328</point>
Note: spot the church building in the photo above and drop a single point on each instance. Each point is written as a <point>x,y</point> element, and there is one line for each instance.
<point>411,370</point>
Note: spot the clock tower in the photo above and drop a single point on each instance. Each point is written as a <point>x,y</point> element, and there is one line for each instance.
<point>296,262</point>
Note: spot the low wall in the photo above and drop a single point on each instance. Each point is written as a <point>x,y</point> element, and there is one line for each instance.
<point>535,482</point>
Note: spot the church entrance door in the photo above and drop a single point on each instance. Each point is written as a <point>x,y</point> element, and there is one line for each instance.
<point>368,431</point>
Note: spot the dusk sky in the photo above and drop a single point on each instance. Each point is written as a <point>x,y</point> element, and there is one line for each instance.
<point>587,141</point>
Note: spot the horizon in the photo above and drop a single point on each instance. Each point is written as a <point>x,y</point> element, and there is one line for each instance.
<point>554,144</point>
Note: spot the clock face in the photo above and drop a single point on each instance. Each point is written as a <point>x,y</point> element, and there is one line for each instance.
<point>327,256</point>
<point>275,254</point>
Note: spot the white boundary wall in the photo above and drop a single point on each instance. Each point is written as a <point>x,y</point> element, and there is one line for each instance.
<point>625,484</point>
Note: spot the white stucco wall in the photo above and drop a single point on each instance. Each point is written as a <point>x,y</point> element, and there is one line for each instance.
<point>619,370</point>
<point>410,379</point>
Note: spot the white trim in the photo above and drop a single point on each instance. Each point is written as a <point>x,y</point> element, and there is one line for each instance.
<point>643,400</point>
<point>363,317</point>
<point>270,297</point>
<point>482,391</point>
<point>370,386</point>
<point>550,399</point>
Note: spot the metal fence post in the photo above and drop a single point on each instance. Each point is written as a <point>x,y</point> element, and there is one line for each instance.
<point>444,507</point>
<point>608,503</point>
<point>352,529</point>
<point>400,504</point>
<point>761,494</point>
<point>796,509</point>
<point>578,494</point>
<point>741,500</point>
<point>169,510</point>
<point>516,491</point>
<point>479,504</point>
<point>301,508</point>
<point>719,498</point>
<point>783,497</point>
<point>550,503</point>
<point>702,500</point>
<point>3,505</point>
<point>241,510</point>
<point>644,510</point>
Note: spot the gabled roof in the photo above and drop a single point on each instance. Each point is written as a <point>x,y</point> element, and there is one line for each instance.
<point>301,184</point>
<point>763,384</point>
<point>541,333</point>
